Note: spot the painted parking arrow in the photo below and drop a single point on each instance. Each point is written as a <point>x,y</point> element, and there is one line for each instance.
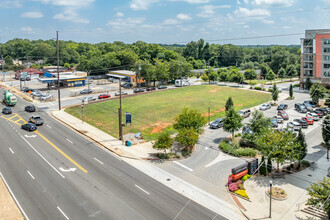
<point>68,170</point>
<point>30,136</point>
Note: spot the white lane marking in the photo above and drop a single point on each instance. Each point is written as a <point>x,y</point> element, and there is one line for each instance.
<point>11,151</point>
<point>43,158</point>
<point>30,136</point>
<point>98,161</point>
<point>142,189</point>
<point>30,174</point>
<point>180,164</point>
<point>69,141</point>
<point>12,194</point>
<point>181,210</point>
<point>48,126</point>
<point>62,212</point>
<point>68,170</point>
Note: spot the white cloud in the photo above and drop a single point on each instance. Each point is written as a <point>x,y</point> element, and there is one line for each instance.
<point>246,26</point>
<point>170,21</point>
<point>183,17</point>
<point>276,3</point>
<point>244,12</point>
<point>126,22</point>
<point>286,27</point>
<point>191,1</point>
<point>27,29</point>
<point>11,4</point>
<point>208,10</point>
<point>119,14</point>
<point>268,21</point>
<point>246,1</point>
<point>141,4</point>
<point>70,15</point>
<point>32,14</point>
<point>238,2</point>
<point>98,29</point>
<point>68,3</point>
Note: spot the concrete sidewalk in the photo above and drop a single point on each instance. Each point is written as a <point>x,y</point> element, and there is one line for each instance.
<point>140,151</point>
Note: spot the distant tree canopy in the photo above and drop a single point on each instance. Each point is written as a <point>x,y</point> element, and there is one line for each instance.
<point>99,58</point>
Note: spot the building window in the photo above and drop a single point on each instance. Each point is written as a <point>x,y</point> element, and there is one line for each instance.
<point>326,57</point>
<point>326,65</point>
<point>326,41</point>
<point>327,50</point>
<point>326,74</point>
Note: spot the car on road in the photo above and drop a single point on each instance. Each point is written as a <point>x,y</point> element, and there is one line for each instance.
<point>302,123</point>
<point>7,110</point>
<point>36,119</point>
<point>104,96</point>
<point>126,85</point>
<point>86,91</point>
<point>324,110</point>
<point>29,127</point>
<point>35,91</point>
<point>138,90</point>
<point>216,123</point>
<point>151,88</point>
<point>278,119</point>
<point>162,87</point>
<point>264,107</point>
<point>309,120</point>
<point>89,99</point>
<point>282,107</point>
<point>300,108</point>
<point>328,175</point>
<point>25,89</point>
<point>243,83</point>
<point>45,97</point>
<point>122,93</point>
<point>283,114</point>
<point>314,116</point>
<point>274,123</point>
<point>244,113</point>
<point>30,108</point>
<point>279,89</point>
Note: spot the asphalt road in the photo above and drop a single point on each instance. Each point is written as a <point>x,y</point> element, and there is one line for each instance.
<point>56,174</point>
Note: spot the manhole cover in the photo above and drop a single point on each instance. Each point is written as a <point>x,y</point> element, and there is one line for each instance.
<point>168,179</point>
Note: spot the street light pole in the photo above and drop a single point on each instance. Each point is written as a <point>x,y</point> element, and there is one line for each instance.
<point>270,198</point>
<point>58,72</point>
<point>82,112</point>
<point>120,116</point>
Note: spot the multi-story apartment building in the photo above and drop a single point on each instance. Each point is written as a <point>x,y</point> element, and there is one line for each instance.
<point>315,56</point>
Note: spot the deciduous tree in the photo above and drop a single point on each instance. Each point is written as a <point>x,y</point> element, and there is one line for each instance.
<point>317,92</point>
<point>163,142</point>
<point>320,195</point>
<point>232,121</point>
<point>189,118</point>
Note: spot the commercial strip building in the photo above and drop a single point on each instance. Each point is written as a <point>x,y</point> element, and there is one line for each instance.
<point>130,76</point>
<point>315,57</point>
<point>67,79</point>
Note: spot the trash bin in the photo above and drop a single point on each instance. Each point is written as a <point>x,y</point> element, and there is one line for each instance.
<point>128,143</point>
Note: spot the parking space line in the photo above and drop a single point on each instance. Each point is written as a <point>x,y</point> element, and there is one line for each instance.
<point>69,141</point>
<point>62,213</point>
<point>142,189</point>
<point>30,174</point>
<point>98,161</point>
<point>11,151</point>
<point>180,164</point>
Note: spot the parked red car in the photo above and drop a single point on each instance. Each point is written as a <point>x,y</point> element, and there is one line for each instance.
<point>103,96</point>
<point>283,114</point>
<point>309,120</point>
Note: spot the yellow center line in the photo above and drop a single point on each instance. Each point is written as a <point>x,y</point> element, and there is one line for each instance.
<point>59,150</point>
<point>48,141</point>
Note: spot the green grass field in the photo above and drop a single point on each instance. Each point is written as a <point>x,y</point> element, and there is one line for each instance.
<point>155,112</point>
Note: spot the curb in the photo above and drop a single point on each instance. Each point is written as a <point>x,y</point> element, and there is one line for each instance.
<point>118,154</point>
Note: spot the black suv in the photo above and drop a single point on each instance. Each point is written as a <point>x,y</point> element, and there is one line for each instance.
<point>126,85</point>
<point>7,110</point>
<point>30,108</point>
<point>302,122</point>
<point>300,108</point>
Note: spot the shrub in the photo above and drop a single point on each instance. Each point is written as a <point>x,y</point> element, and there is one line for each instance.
<point>251,87</point>
<point>262,169</point>
<point>257,88</point>
<point>270,90</point>
<point>186,152</point>
<point>233,187</point>
<point>305,163</point>
<point>296,85</point>
<point>263,89</point>
<point>242,193</point>
<point>237,151</point>
<point>253,83</point>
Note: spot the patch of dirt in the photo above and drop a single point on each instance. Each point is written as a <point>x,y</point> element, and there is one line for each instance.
<point>213,90</point>
<point>157,127</point>
<point>278,193</point>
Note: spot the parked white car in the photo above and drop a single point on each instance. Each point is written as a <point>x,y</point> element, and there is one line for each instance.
<point>279,119</point>
<point>314,116</point>
<point>264,107</point>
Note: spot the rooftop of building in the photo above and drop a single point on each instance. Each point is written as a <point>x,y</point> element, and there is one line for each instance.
<point>123,72</point>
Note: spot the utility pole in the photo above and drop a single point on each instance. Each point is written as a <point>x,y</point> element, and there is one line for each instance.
<point>181,72</point>
<point>120,116</point>
<point>139,76</point>
<point>58,72</point>
<point>270,198</point>
<point>88,80</point>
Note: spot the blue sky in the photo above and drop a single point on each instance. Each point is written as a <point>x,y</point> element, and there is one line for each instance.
<point>164,21</point>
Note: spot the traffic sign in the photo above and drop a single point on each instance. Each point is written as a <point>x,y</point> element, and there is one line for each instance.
<point>4,72</point>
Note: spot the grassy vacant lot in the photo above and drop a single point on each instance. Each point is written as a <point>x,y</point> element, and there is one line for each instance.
<point>155,112</point>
